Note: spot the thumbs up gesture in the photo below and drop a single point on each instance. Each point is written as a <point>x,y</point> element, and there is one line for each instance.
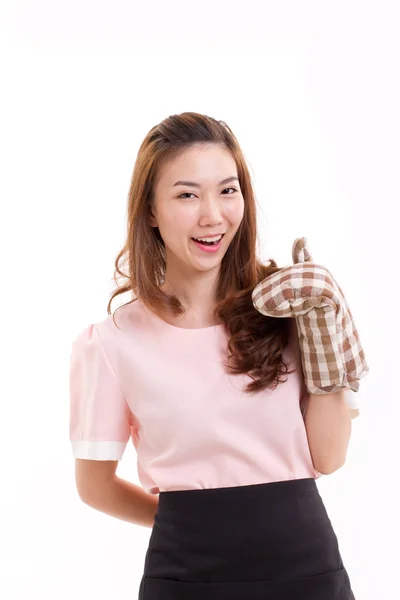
<point>331,353</point>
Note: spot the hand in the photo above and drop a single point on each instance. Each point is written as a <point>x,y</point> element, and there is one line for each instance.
<point>331,352</point>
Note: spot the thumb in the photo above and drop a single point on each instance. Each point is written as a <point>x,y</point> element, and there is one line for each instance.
<point>300,251</point>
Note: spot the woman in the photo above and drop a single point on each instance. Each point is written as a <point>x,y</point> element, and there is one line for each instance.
<point>191,373</point>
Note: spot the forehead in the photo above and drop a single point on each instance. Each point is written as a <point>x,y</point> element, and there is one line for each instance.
<point>201,164</point>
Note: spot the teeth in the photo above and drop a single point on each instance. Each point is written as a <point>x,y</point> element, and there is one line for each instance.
<point>210,239</point>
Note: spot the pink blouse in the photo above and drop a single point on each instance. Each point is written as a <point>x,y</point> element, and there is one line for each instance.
<point>192,426</point>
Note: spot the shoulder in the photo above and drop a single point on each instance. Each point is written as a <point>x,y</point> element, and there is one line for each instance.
<point>115,326</point>
<point>114,336</point>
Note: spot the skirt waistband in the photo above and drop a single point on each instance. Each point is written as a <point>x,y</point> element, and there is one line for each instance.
<point>270,492</point>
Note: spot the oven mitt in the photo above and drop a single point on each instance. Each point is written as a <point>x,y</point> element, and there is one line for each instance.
<point>331,353</point>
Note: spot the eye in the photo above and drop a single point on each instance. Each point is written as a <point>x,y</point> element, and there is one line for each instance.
<point>190,193</point>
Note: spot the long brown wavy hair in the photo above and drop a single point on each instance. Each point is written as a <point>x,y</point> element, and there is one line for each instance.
<point>256,342</point>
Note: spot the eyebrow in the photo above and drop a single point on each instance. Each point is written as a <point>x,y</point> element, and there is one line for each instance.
<point>193,184</point>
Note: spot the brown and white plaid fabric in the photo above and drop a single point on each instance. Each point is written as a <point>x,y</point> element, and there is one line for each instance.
<point>331,353</point>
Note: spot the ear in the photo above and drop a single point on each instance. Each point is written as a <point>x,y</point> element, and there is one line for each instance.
<point>150,217</point>
<point>152,221</point>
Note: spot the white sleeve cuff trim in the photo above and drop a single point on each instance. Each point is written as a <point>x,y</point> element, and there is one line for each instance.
<point>98,450</point>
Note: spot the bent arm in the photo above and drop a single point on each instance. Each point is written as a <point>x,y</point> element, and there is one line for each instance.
<point>99,487</point>
<point>328,426</point>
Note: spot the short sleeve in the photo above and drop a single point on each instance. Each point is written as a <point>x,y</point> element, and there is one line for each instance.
<point>100,425</point>
<point>304,398</point>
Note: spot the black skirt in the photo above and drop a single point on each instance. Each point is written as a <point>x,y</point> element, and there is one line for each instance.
<point>270,541</point>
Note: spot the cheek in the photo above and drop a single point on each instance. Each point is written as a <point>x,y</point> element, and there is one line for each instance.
<point>179,222</point>
<point>235,212</point>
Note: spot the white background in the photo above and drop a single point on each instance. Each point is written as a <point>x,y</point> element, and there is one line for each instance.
<point>311,90</point>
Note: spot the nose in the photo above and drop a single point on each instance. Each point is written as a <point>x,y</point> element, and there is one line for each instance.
<point>210,210</point>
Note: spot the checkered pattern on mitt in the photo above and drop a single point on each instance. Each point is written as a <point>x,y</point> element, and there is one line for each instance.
<point>331,353</point>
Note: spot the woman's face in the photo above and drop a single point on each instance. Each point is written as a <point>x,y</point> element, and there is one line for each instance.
<point>183,211</point>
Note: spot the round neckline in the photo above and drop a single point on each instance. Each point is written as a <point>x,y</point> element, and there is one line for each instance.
<point>169,325</point>
<point>186,328</point>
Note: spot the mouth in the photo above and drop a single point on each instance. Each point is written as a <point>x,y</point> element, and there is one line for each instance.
<point>208,246</point>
